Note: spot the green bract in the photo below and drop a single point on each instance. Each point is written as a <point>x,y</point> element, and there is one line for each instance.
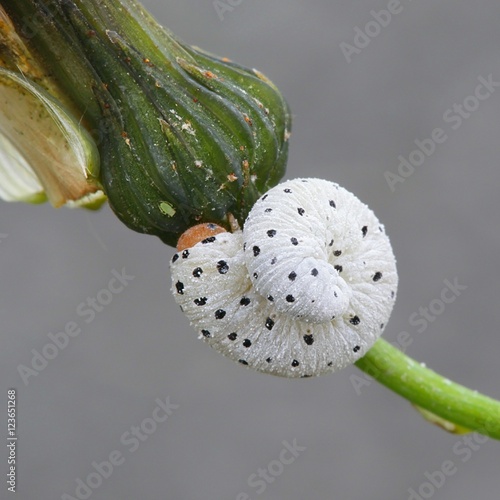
<point>184,137</point>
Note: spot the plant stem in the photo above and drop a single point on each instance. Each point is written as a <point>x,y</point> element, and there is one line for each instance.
<point>431,391</point>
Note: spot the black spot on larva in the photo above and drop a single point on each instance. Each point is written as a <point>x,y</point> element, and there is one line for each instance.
<point>335,294</point>
<point>287,190</point>
<point>181,308</point>
<point>364,230</point>
<point>222,267</point>
<point>255,275</point>
<point>243,362</point>
<point>197,272</point>
<point>268,360</point>
<point>175,257</point>
<point>331,243</point>
<point>220,313</point>
<point>301,211</point>
<point>247,343</point>
<point>268,210</point>
<point>377,276</point>
<point>206,333</point>
<point>309,339</point>
<point>294,241</point>
<point>381,229</point>
<point>355,320</point>
<point>314,272</point>
<point>244,246</point>
<point>269,323</point>
<point>381,325</point>
<point>201,301</point>
<point>295,363</point>
<point>232,336</point>
<point>274,260</point>
<point>208,240</point>
<point>338,268</point>
<point>290,298</point>
<point>256,250</point>
<point>270,298</point>
<point>305,376</point>
<point>332,204</point>
<point>211,225</point>
<point>392,294</point>
<point>264,197</point>
<point>185,254</point>
<point>330,363</point>
<point>337,253</point>
<point>271,233</point>
<point>180,288</point>
<point>356,348</point>
<point>244,301</point>
<point>292,276</point>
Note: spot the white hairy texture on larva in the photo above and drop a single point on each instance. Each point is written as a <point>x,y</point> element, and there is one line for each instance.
<point>306,288</point>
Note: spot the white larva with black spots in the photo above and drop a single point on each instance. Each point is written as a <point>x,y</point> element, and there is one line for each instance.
<point>305,288</point>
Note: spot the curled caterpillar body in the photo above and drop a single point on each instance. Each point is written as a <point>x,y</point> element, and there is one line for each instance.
<point>304,289</point>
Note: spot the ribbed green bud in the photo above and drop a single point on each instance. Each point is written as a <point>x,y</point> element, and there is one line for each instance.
<point>184,137</point>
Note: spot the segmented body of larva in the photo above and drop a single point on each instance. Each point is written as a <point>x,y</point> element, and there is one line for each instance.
<point>305,288</point>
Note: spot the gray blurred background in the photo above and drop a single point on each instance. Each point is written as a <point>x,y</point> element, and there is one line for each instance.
<point>351,122</point>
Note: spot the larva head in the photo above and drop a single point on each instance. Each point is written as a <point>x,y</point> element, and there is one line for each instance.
<point>198,233</point>
<point>305,288</point>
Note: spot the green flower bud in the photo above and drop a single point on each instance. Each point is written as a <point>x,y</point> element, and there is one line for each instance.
<point>184,137</point>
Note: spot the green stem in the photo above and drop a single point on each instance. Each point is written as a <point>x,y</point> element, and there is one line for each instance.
<point>431,391</point>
